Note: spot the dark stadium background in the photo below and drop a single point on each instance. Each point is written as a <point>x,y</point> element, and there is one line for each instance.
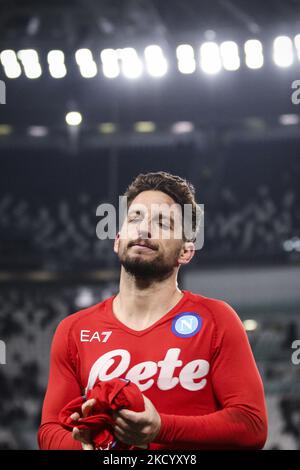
<point>237,141</point>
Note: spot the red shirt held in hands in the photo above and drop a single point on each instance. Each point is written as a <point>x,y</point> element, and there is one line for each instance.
<point>109,395</point>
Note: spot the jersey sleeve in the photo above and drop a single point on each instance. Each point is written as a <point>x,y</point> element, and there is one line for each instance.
<point>62,387</point>
<point>241,421</point>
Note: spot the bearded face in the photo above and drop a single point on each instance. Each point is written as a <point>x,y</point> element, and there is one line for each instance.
<point>146,247</point>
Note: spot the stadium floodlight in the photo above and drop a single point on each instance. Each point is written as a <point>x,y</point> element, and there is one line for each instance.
<point>291,244</point>
<point>289,119</point>
<point>210,59</point>
<point>297,44</point>
<point>107,128</point>
<point>37,131</point>
<point>84,298</point>
<point>5,129</point>
<point>30,62</point>
<point>56,61</point>
<point>11,66</point>
<point>283,53</point>
<point>144,126</point>
<point>230,55</point>
<point>110,63</point>
<point>73,118</point>
<point>131,64</point>
<point>254,57</point>
<point>250,325</point>
<point>182,127</point>
<point>156,62</point>
<point>185,58</point>
<point>86,63</point>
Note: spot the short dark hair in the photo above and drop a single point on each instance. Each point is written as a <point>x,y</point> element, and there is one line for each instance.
<point>179,189</point>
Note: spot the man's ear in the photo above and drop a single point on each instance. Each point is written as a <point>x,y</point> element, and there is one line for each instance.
<point>187,253</point>
<point>117,243</point>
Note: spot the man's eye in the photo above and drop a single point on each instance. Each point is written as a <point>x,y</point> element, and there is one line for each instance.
<point>164,224</point>
<point>134,218</point>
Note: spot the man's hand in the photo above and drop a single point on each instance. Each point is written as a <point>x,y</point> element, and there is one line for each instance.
<point>137,429</point>
<point>83,435</point>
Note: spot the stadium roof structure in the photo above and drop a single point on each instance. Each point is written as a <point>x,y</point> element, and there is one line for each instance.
<point>222,85</point>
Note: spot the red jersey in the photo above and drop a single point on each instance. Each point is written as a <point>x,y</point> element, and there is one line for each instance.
<point>195,364</point>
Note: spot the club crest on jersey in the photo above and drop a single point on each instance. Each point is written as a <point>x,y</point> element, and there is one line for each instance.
<point>186,324</point>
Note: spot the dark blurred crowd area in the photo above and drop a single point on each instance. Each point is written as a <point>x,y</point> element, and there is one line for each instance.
<point>66,230</point>
<point>48,204</point>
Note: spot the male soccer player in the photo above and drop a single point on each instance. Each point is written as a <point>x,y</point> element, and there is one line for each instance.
<point>188,354</point>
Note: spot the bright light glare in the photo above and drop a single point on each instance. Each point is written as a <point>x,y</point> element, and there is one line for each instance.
<point>144,126</point>
<point>86,63</point>
<point>289,119</point>
<point>131,64</point>
<point>254,54</point>
<point>156,62</point>
<point>73,118</point>
<point>107,127</point>
<point>30,62</point>
<point>283,54</point>
<point>297,45</point>
<point>37,131</point>
<point>186,59</point>
<point>10,63</point>
<point>84,298</point>
<point>110,63</point>
<point>230,55</point>
<point>182,127</point>
<point>250,325</point>
<point>56,61</point>
<point>5,129</point>
<point>210,59</point>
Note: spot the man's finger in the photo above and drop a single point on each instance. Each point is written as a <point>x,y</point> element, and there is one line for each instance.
<point>129,435</point>
<point>119,431</point>
<point>129,415</point>
<point>121,436</point>
<point>123,424</point>
<point>76,434</point>
<point>75,416</point>
<point>79,435</point>
<point>87,406</point>
<point>129,439</point>
<point>87,446</point>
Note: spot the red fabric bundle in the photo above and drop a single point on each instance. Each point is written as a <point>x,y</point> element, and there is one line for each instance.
<point>111,395</point>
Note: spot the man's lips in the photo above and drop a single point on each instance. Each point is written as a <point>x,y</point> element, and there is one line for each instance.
<point>143,247</point>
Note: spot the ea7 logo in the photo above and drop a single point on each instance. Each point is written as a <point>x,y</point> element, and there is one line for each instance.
<point>87,336</point>
<point>2,92</point>
<point>2,352</point>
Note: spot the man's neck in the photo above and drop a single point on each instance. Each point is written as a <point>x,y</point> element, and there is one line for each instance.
<point>139,306</point>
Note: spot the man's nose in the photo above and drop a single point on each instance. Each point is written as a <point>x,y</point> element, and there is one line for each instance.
<point>144,229</point>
